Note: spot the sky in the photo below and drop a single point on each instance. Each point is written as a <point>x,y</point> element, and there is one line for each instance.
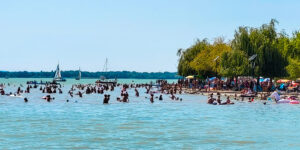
<point>135,35</point>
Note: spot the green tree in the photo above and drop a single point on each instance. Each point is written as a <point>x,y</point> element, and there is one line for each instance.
<point>207,61</point>
<point>292,52</point>
<point>234,63</point>
<point>188,55</point>
<point>263,41</point>
<point>293,68</point>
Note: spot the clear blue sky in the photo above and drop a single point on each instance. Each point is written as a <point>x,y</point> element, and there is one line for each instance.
<point>135,35</point>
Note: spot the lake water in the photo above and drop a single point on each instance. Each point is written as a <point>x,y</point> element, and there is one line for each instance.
<point>167,124</point>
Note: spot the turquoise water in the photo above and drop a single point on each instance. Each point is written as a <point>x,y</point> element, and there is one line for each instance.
<point>167,124</point>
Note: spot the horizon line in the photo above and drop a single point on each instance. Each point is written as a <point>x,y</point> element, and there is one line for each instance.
<point>92,71</point>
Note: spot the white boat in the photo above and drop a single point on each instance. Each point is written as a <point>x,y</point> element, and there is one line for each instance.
<point>281,101</point>
<point>16,95</point>
<point>79,75</point>
<point>103,79</point>
<point>58,77</point>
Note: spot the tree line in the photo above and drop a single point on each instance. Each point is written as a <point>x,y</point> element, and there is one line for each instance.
<point>254,51</point>
<point>94,75</point>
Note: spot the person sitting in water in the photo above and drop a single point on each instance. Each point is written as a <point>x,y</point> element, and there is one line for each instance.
<point>228,101</point>
<point>172,97</point>
<point>210,100</point>
<point>106,99</point>
<point>219,100</point>
<point>118,99</point>
<point>2,92</point>
<point>251,100</point>
<point>48,98</point>
<point>125,97</point>
<point>160,97</point>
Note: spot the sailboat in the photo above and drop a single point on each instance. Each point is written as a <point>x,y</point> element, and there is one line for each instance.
<point>58,77</point>
<point>103,79</point>
<point>79,75</point>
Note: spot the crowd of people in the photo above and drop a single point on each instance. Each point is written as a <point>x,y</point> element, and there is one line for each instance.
<point>155,91</point>
<point>246,88</point>
<point>246,85</point>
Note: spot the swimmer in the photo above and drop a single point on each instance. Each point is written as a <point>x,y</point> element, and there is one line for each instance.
<point>151,98</point>
<point>118,99</point>
<point>106,99</point>
<point>160,97</point>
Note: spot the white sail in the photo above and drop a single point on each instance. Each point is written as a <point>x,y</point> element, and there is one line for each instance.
<point>57,73</point>
<point>79,74</point>
<point>103,79</point>
<point>58,77</point>
<point>104,70</point>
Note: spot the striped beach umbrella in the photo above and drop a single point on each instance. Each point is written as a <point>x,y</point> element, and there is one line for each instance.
<point>283,81</point>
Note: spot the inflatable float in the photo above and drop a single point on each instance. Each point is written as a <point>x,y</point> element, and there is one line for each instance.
<point>16,95</point>
<point>282,101</point>
<point>294,102</point>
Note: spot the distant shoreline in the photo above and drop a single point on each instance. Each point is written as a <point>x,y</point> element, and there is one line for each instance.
<point>91,75</point>
<point>84,78</point>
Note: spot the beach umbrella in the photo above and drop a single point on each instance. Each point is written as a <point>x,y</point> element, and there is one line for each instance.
<point>189,77</point>
<point>223,79</point>
<point>281,86</point>
<point>261,79</point>
<point>295,84</point>
<point>283,81</point>
<point>212,78</point>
